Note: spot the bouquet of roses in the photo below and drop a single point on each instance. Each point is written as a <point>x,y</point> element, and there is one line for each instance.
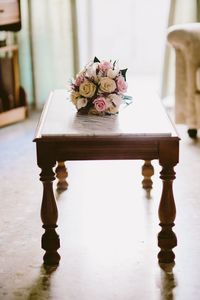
<point>99,88</point>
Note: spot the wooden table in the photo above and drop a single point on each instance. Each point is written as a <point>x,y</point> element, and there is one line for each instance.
<point>141,130</point>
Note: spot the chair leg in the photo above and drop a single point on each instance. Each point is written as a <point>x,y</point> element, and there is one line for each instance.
<point>192,132</point>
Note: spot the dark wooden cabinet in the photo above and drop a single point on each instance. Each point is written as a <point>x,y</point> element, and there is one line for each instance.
<point>13,107</point>
<point>10,17</point>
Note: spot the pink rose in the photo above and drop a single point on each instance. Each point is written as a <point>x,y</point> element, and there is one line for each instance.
<point>100,104</point>
<point>79,79</point>
<point>105,65</point>
<point>121,84</point>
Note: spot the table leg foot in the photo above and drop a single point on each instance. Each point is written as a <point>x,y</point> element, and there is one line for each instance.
<point>147,172</point>
<point>61,174</point>
<point>50,243</point>
<point>166,241</point>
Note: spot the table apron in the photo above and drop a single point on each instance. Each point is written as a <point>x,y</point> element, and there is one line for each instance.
<point>106,151</point>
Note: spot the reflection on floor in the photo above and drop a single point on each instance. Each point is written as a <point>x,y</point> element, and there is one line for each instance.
<point>107,226</point>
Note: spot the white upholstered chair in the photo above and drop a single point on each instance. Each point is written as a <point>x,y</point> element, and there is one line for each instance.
<point>185,39</point>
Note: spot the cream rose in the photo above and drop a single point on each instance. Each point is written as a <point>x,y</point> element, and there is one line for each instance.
<point>107,85</point>
<point>87,89</point>
<point>112,110</point>
<point>74,97</point>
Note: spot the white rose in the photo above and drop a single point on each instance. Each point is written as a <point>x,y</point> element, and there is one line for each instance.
<point>92,71</point>
<point>81,102</point>
<point>107,85</point>
<point>115,99</point>
<point>112,73</point>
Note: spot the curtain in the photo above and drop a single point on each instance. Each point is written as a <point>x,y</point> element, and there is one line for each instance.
<point>180,11</point>
<point>85,30</point>
<point>46,42</point>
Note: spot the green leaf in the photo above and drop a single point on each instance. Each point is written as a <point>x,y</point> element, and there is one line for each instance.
<point>96,60</point>
<point>123,72</point>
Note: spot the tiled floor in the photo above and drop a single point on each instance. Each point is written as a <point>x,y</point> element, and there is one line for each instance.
<point>107,227</point>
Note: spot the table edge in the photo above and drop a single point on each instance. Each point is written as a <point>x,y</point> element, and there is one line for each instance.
<point>42,117</point>
<point>117,138</point>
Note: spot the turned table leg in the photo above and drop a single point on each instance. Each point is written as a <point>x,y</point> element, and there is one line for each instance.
<point>61,174</point>
<point>167,210</point>
<point>49,216</point>
<point>167,213</point>
<point>147,172</point>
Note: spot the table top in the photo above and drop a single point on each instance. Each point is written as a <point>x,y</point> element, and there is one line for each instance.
<point>144,117</point>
